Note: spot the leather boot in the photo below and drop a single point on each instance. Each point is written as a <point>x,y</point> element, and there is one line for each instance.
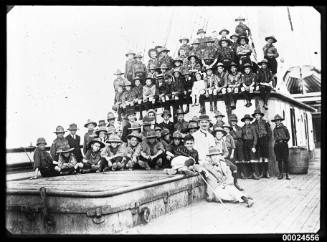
<point>265,170</point>
<point>187,108</point>
<point>287,177</point>
<point>236,183</point>
<point>280,176</point>
<point>211,107</point>
<point>202,109</point>
<point>254,176</point>
<point>215,106</point>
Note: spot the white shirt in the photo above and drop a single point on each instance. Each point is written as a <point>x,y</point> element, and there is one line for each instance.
<point>198,86</point>
<point>202,141</point>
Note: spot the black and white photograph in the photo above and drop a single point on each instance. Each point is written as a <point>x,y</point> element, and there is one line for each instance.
<point>163,120</point>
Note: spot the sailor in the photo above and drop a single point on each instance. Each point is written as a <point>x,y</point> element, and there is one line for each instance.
<point>92,160</point>
<point>119,81</point>
<point>241,28</point>
<point>166,123</point>
<point>270,53</point>
<point>90,135</point>
<point>198,88</point>
<point>59,142</point>
<point>281,137</point>
<point>184,46</point>
<point>211,92</point>
<point>249,137</point>
<point>43,161</point>
<point>153,55</point>
<point>132,149</point>
<point>164,58</point>
<point>180,123</point>
<point>263,131</point>
<point>249,79</point>
<point>113,154</point>
<point>202,38</point>
<point>219,120</point>
<point>243,50</point>
<point>233,85</point>
<point>264,82</point>
<point>139,68</point>
<point>74,141</point>
<point>128,65</point>
<point>67,163</point>
<point>152,153</point>
<point>203,138</point>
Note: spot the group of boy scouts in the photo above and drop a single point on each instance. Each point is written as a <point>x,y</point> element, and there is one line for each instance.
<point>208,68</point>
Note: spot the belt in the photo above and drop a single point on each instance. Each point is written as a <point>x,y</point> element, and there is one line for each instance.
<point>280,141</point>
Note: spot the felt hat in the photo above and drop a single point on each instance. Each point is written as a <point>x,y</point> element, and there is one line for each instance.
<point>157,47</point>
<point>213,150</point>
<point>200,31</point>
<point>110,116</point>
<point>102,123</point>
<point>195,119</point>
<point>163,66</point>
<point>243,37</point>
<point>153,67</point>
<point>247,65</point>
<point>111,130</point>
<point>157,128</point>
<point>64,149</point>
<point>41,141</point>
<point>90,121</point>
<point>166,112</point>
<point>192,54</point>
<point>149,77</point>
<point>192,125</point>
<point>151,111</point>
<point>203,117</point>
<point>130,52</point>
<point>72,126</point>
<point>271,37</point>
<point>138,55</point>
<point>224,39</point>
<point>137,78</point>
<point>135,126</point>
<point>114,138</point>
<point>196,42</point>
<point>177,69</point>
<point>257,111</point>
<point>163,49</point>
<point>101,129</point>
<point>208,68</point>
<point>118,72</point>
<point>218,113</point>
<point>221,31</point>
<point>151,50</point>
<point>127,83</point>
<point>219,129</point>
<point>209,40</point>
<point>233,117</point>
<point>263,61</point>
<point>151,134</point>
<point>234,35</point>
<point>184,38</point>
<point>164,132</point>
<point>60,129</point>
<point>186,72</point>
<point>240,18</point>
<point>160,76</point>
<point>220,64</point>
<point>178,59</point>
<point>232,64</point>
<point>277,117</point>
<point>136,135</point>
<point>130,111</point>
<point>146,121</point>
<point>180,111</point>
<point>97,140</point>
<point>246,116</point>
<point>227,126</point>
<point>177,135</point>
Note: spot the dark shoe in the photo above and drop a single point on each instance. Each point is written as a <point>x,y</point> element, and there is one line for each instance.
<point>106,169</point>
<point>254,176</point>
<point>266,175</point>
<point>211,107</point>
<point>287,177</point>
<point>238,186</point>
<point>215,107</point>
<point>280,176</point>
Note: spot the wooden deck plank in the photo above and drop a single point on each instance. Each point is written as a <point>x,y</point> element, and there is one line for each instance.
<point>312,218</point>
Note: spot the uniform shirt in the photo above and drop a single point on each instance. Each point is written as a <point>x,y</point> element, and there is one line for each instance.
<point>249,133</point>
<point>243,50</point>
<point>281,133</point>
<point>182,150</point>
<point>93,158</point>
<point>166,144</point>
<point>262,128</point>
<point>221,146</point>
<point>210,52</point>
<point>149,91</point>
<point>203,42</point>
<point>234,46</point>
<point>202,141</point>
<point>222,79</point>
<point>229,140</point>
<point>152,149</point>
<point>64,162</point>
<point>138,92</point>
<point>74,142</point>
<point>110,151</point>
<point>234,78</point>
<point>166,60</point>
<point>180,125</point>
<point>236,132</point>
<point>87,138</point>
<point>185,47</point>
<point>249,79</point>
<point>178,85</point>
<point>56,144</point>
<point>169,125</point>
<point>118,97</point>
<point>226,53</point>
<point>153,61</point>
<point>270,49</point>
<point>173,148</point>
<point>129,68</point>
<point>131,151</point>
<point>241,29</point>
<point>42,159</point>
<point>212,81</point>
<point>264,75</point>
<point>138,66</point>
<point>126,131</point>
<point>128,96</point>
<point>188,84</point>
<point>163,89</point>
<point>119,82</point>
<point>219,124</point>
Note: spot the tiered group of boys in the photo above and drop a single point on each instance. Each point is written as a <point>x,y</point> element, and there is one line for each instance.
<point>208,67</point>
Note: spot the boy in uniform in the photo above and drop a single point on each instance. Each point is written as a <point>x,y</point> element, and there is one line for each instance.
<point>222,83</point>
<point>224,34</point>
<point>118,102</point>
<point>234,43</point>
<point>164,58</point>
<point>233,85</point>
<point>119,81</point>
<point>149,92</point>
<point>202,38</point>
<point>219,117</point>
<point>138,94</point>
<point>241,28</point>
<point>211,92</point>
<point>184,46</point>
<point>209,54</point>
<point>225,53</point>
<point>153,70</point>
<point>243,50</point>
<point>111,120</point>
<point>92,160</point>
<point>101,134</point>
<point>181,123</point>
<point>270,53</point>
<point>193,65</point>
<point>281,137</point>
<point>74,141</point>
<point>132,149</point>
<point>264,80</point>
<point>43,161</point>
<point>166,123</point>
<point>177,87</point>
<point>131,120</point>
<point>249,79</point>
<point>152,152</point>
<point>128,96</point>
<point>90,125</point>
<point>139,68</point>
<point>263,131</point>
<point>249,137</point>
<point>113,154</point>
<point>67,163</point>
<point>153,55</point>
<point>196,48</point>
<point>102,123</point>
<point>129,65</point>
<point>59,142</point>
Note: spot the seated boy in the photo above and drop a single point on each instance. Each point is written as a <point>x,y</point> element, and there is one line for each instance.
<point>149,91</point>
<point>152,152</point>
<point>90,125</point>
<point>58,143</point>
<point>113,155</point>
<point>92,160</point>
<point>74,142</point>
<point>132,149</point>
<point>249,79</point>
<point>43,161</point>
<point>233,85</point>
<point>67,163</point>
<point>264,82</point>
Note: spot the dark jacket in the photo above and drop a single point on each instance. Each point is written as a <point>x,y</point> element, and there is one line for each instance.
<point>57,143</point>
<point>262,128</point>
<point>169,126</point>
<point>250,78</point>
<point>42,159</point>
<point>126,131</point>
<point>75,143</point>
<point>264,75</point>
<point>249,133</point>
<point>182,150</point>
<point>281,133</point>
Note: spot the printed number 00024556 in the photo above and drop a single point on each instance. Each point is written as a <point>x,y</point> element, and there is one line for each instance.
<point>300,237</point>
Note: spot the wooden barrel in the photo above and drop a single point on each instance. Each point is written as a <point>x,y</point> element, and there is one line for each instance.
<point>298,160</point>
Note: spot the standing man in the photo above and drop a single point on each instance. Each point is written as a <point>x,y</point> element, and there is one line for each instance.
<point>203,138</point>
